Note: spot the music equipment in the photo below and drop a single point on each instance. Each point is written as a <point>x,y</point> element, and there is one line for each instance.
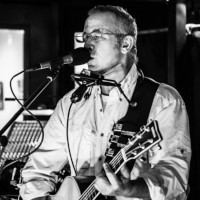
<point>23,138</point>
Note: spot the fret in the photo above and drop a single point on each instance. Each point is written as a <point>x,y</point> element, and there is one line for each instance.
<point>117,162</point>
<point>90,193</point>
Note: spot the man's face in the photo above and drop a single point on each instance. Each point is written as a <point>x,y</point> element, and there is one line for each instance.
<point>105,52</point>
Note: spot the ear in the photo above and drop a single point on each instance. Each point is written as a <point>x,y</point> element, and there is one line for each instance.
<point>127,44</point>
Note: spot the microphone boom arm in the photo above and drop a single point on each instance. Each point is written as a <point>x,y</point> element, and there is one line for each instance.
<point>52,76</point>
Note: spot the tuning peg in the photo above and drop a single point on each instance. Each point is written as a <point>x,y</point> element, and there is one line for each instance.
<point>138,136</point>
<point>141,146</point>
<point>144,128</point>
<point>150,141</point>
<point>134,153</point>
<point>159,147</point>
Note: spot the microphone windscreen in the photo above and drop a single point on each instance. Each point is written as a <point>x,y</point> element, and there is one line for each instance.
<point>80,56</point>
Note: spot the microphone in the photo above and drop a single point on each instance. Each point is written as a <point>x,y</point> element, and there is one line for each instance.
<point>78,56</point>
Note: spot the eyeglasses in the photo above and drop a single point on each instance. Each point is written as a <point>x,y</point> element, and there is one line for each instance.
<point>97,35</point>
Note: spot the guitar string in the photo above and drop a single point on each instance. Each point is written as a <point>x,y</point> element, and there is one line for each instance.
<point>115,160</point>
<point>91,189</point>
<point>88,191</point>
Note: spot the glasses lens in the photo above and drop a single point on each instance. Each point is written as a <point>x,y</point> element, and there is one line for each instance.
<point>96,35</point>
<point>93,36</point>
<point>85,36</point>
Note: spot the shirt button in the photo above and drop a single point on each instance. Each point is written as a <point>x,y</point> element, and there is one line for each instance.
<point>102,134</point>
<point>100,158</point>
<point>101,110</point>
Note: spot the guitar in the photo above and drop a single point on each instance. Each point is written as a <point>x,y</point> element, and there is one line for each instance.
<point>77,188</point>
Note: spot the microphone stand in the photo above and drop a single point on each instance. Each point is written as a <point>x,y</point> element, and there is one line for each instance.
<point>52,76</point>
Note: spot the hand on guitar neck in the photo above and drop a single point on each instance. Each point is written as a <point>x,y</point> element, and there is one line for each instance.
<point>109,184</point>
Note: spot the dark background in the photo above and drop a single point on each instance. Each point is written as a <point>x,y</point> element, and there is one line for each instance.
<point>165,52</point>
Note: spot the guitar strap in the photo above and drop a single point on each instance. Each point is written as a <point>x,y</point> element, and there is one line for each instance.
<point>137,115</point>
<point>142,98</point>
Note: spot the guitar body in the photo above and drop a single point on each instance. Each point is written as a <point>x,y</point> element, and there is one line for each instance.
<point>72,188</point>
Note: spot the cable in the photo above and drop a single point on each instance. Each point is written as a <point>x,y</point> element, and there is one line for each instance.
<point>67,135</point>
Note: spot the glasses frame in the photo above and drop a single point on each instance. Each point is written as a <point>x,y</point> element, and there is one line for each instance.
<point>101,31</point>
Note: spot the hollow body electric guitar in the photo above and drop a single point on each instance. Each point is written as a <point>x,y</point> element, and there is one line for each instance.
<point>77,188</point>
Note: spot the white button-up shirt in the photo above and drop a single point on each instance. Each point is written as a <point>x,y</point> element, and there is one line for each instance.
<point>88,126</point>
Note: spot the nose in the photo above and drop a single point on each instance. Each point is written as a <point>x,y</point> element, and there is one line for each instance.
<point>89,46</point>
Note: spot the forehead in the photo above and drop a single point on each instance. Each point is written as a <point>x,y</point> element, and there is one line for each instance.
<point>100,20</point>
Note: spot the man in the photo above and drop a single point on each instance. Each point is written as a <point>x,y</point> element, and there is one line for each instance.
<point>110,34</point>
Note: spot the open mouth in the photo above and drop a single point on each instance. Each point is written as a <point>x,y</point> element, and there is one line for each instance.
<point>91,58</point>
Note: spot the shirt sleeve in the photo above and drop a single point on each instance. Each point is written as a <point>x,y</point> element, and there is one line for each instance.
<point>167,178</point>
<point>39,173</point>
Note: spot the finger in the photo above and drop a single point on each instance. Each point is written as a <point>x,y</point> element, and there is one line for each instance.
<point>113,179</point>
<point>125,172</point>
<point>102,185</point>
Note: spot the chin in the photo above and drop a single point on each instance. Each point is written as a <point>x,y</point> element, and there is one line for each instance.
<point>92,67</point>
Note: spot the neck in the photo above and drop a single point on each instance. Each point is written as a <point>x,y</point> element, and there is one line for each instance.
<point>118,74</point>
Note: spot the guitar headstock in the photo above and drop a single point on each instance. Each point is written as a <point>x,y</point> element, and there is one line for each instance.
<point>147,137</point>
